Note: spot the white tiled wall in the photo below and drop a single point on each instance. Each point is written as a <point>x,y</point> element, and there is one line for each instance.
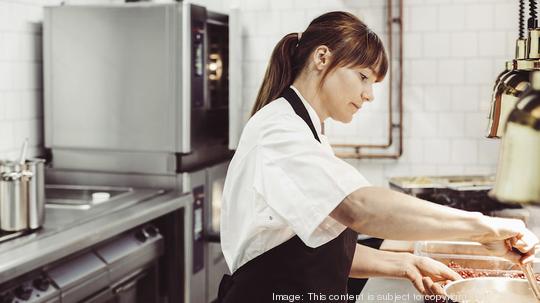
<point>21,101</point>
<point>453,51</point>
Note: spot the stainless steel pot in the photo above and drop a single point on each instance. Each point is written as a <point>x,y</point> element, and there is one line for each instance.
<point>36,192</point>
<point>22,195</point>
<point>13,205</point>
<point>489,290</point>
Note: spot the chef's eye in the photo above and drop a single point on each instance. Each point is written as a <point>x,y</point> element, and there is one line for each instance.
<point>363,77</point>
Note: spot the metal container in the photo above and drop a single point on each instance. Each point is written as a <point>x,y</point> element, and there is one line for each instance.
<point>489,290</point>
<point>22,195</point>
<point>13,193</point>
<point>36,192</point>
<point>421,185</point>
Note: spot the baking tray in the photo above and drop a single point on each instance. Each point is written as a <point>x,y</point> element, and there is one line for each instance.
<point>419,184</point>
<point>469,256</point>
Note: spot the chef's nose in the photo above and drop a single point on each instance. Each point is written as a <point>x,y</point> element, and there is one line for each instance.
<point>367,94</point>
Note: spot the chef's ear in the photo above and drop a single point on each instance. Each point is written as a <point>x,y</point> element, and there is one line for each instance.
<point>321,57</point>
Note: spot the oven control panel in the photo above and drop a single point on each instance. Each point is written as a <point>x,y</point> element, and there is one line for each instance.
<point>37,288</point>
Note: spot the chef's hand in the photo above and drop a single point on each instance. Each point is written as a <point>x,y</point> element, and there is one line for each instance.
<point>423,272</point>
<point>510,239</point>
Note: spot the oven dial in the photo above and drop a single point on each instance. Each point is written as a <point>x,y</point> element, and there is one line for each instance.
<point>23,292</point>
<point>141,235</point>
<point>152,231</point>
<point>7,297</point>
<point>41,284</point>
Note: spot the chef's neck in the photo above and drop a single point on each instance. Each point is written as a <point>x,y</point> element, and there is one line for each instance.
<point>309,89</point>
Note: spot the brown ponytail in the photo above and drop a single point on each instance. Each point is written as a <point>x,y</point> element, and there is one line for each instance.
<point>351,42</point>
<point>279,73</point>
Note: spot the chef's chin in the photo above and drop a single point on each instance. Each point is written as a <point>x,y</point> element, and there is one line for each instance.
<point>345,118</point>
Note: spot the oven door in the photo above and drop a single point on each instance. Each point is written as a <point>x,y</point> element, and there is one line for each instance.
<point>206,264</point>
<point>216,265</point>
<point>215,180</point>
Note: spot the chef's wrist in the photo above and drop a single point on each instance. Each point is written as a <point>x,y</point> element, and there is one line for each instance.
<point>407,264</point>
<point>482,228</point>
<point>496,229</point>
<point>391,264</point>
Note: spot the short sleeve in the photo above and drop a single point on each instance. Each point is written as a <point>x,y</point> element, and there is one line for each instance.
<point>301,180</point>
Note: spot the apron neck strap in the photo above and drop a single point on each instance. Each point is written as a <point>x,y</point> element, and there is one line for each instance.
<point>290,95</point>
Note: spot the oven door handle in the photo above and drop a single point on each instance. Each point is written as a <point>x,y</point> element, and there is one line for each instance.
<point>131,282</point>
<point>213,237</point>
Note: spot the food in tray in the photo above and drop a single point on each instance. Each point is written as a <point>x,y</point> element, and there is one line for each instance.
<point>475,273</point>
<point>420,180</point>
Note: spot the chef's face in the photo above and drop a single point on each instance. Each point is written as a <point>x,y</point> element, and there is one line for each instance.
<point>345,89</point>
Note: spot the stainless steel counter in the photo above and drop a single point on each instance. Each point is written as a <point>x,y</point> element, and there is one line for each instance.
<point>389,290</point>
<point>67,231</point>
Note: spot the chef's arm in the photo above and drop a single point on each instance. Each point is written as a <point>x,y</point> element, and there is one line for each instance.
<point>369,263</point>
<point>387,214</point>
<point>421,271</point>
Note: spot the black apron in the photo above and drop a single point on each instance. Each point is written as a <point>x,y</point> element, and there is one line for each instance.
<point>293,268</point>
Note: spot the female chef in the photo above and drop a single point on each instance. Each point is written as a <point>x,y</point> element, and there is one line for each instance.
<point>292,210</point>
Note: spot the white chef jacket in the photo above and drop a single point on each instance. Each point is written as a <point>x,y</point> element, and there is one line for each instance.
<point>282,182</point>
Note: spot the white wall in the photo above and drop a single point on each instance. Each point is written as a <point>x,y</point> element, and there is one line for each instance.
<point>453,51</point>
<point>21,98</point>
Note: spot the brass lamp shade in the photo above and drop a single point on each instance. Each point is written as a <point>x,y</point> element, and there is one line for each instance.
<point>518,172</point>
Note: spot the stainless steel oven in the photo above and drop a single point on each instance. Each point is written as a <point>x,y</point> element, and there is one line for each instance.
<point>138,95</point>
<point>144,82</point>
